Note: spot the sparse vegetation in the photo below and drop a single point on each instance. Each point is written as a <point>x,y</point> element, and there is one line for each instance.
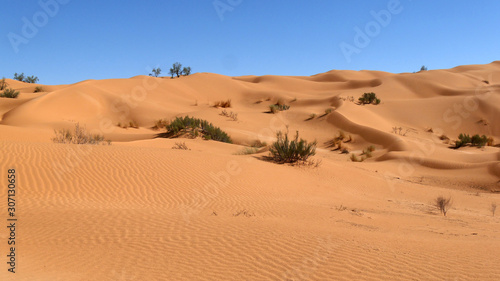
<point>328,111</point>
<point>312,116</point>
<point>26,79</point>
<point>232,115</point>
<point>156,72</point>
<point>223,104</point>
<point>9,93</point>
<point>277,107</point>
<point>355,158</point>
<point>196,127</point>
<point>247,151</point>
<point>443,204</point>
<point>38,89</point>
<point>400,131</point>
<point>338,141</point>
<point>186,71</point>
<point>160,124</point>
<point>180,145</point>
<point>475,140</point>
<point>78,136</point>
<point>258,144</point>
<point>3,84</point>
<point>369,98</point>
<point>286,150</point>
<point>365,154</point>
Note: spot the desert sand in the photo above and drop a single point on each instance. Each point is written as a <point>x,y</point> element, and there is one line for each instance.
<point>139,210</point>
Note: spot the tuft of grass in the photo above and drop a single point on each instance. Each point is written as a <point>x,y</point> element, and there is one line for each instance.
<point>328,111</point>
<point>159,124</point>
<point>3,84</point>
<point>258,144</point>
<point>223,104</point>
<point>355,158</point>
<point>9,93</point>
<point>443,204</point>
<point>180,145</point>
<point>275,108</point>
<point>369,98</point>
<point>286,150</point>
<point>78,136</point>
<point>38,89</point>
<point>196,127</point>
<point>247,151</point>
<point>312,116</point>
<point>232,115</point>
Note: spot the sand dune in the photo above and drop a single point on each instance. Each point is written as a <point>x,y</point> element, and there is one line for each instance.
<point>139,210</point>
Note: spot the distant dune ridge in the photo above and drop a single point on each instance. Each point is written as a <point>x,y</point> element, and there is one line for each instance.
<point>211,212</point>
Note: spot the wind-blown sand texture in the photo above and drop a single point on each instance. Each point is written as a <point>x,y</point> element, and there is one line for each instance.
<point>140,210</point>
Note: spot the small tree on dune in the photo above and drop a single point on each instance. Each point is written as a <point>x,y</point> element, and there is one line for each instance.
<point>186,71</point>
<point>177,69</point>
<point>156,72</point>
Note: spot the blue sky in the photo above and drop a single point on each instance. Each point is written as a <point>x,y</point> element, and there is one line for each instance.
<point>75,40</point>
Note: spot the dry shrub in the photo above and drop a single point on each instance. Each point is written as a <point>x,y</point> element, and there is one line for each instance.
<point>443,204</point>
<point>223,104</point>
<point>78,136</point>
<point>160,124</point>
<point>181,146</point>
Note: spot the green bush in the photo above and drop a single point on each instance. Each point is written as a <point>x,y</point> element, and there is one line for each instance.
<point>286,150</point>
<point>275,108</point>
<point>475,140</point>
<point>9,93</point>
<point>26,79</point>
<point>369,98</point>
<point>195,127</point>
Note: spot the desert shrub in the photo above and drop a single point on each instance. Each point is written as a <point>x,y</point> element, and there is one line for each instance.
<point>475,140</point>
<point>258,143</point>
<point>38,89</point>
<point>355,158</point>
<point>78,136</point>
<point>369,98</point>
<point>328,111</point>
<point>247,151</point>
<point>368,151</point>
<point>275,108</point>
<point>443,204</point>
<point>223,104</point>
<point>9,93</point>
<point>160,124</point>
<point>285,150</point>
<point>26,79</point>
<point>181,146</point>
<point>3,84</point>
<point>232,115</point>
<point>195,127</point>
<point>312,116</point>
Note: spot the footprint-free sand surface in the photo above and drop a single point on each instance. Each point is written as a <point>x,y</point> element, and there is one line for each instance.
<point>139,210</point>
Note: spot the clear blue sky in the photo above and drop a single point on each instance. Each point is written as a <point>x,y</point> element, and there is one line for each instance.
<point>99,39</point>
